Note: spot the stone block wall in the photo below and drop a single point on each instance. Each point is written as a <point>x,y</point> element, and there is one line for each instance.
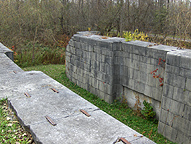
<point>135,61</point>
<point>175,117</point>
<point>112,68</point>
<point>89,64</point>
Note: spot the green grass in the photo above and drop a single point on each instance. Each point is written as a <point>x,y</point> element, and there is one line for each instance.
<point>38,54</point>
<point>117,110</point>
<point>10,130</point>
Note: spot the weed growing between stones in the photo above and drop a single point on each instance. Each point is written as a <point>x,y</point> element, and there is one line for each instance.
<point>148,111</point>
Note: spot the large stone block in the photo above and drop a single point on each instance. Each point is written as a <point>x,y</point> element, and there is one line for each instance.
<point>105,44</point>
<point>126,70</point>
<point>102,67</point>
<point>121,70</point>
<point>94,82</point>
<point>148,90</point>
<point>151,81</point>
<point>156,93</point>
<point>174,80</point>
<point>179,81</point>
<point>167,117</point>
<point>188,83</point>
<point>99,58</point>
<point>109,98</point>
<point>143,77</point>
<point>188,98</point>
<point>109,79</point>
<point>179,95</point>
<point>154,61</point>
<point>136,57</point>
<point>108,69</point>
<point>131,83</point>
<point>116,69</point>
<point>150,68</point>
<point>103,57</point>
<point>76,37</point>
<point>136,75</point>
<point>143,59</point>
<point>142,67</point>
<point>182,138</point>
<point>166,103</point>
<point>77,45</point>
<point>71,43</point>
<point>97,50</point>
<point>185,73</point>
<point>98,66</point>
<point>101,76</point>
<point>126,47</point>
<point>167,131</point>
<point>127,62</point>
<point>109,60</point>
<point>121,61</point>
<point>176,108</point>
<point>185,61</point>
<point>149,52</point>
<point>168,91</point>
<point>182,125</point>
<point>101,94</point>
<point>107,89</point>
<point>85,67</point>
<point>124,81</point>
<point>173,58</point>
<point>159,54</point>
<point>90,48</point>
<point>93,56</point>
<point>172,69</point>
<point>187,112</point>
<point>138,49</point>
<point>107,52</point>
<point>101,86</point>
<point>125,54</point>
<point>136,65</point>
<point>139,86</point>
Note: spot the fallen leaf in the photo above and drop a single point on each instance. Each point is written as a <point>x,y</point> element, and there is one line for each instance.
<point>8,118</point>
<point>9,131</point>
<point>10,124</point>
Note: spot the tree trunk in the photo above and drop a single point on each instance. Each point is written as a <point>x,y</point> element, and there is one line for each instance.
<point>121,18</point>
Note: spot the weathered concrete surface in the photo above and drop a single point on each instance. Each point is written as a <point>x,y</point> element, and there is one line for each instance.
<point>63,107</point>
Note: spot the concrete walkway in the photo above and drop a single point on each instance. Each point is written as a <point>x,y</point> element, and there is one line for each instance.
<point>34,95</point>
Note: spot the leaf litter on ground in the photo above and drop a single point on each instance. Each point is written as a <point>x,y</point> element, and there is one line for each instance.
<point>10,130</point>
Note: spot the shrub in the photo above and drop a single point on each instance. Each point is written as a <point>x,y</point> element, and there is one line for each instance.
<point>148,111</point>
<point>135,36</point>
